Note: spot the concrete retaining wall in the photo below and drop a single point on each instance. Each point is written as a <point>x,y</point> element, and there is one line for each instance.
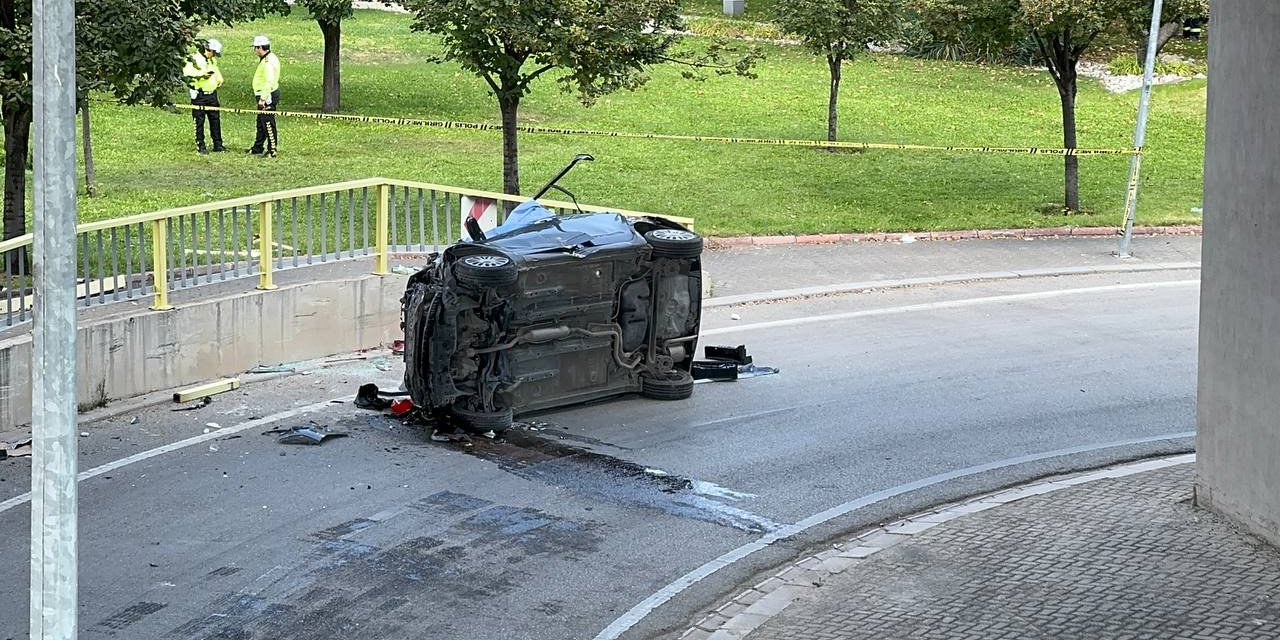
<point>158,350</point>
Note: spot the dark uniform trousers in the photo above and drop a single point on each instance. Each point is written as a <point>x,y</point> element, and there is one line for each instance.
<point>203,99</point>
<point>268,139</point>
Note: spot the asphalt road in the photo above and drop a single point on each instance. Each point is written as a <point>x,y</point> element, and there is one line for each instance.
<point>583,514</point>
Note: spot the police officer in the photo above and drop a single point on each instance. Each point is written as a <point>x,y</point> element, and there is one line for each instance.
<point>266,88</point>
<point>204,77</point>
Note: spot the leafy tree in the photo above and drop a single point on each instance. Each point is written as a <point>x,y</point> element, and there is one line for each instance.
<point>1172,17</point>
<point>1062,30</point>
<point>16,109</point>
<point>329,14</point>
<point>229,12</point>
<point>596,46</point>
<point>973,30</point>
<point>839,30</point>
<point>131,48</point>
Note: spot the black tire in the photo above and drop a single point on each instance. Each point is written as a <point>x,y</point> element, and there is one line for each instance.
<point>481,421</point>
<point>485,270</point>
<point>676,385</point>
<point>674,243</point>
<point>420,314</point>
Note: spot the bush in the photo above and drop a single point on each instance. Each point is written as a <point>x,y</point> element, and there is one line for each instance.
<point>729,28</point>
<point>965,31</point>
<point>1127,65</point>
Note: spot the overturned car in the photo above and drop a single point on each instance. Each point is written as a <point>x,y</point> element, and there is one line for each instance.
<point>548,310</point>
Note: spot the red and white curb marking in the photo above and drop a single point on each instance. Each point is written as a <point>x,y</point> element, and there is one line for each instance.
<point>748,610</point>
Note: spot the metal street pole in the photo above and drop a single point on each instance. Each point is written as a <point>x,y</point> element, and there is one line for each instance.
<point>53,360</point>
<point>1140,134</point>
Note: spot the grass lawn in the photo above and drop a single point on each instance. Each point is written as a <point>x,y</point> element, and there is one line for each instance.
<point>146,157</point>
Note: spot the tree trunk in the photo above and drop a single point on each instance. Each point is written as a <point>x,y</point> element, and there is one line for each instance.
<point>1167,31</point>
<point>509,104</point>
<point>1068,94</point>
<point>17,146</point>
<point>1061,56</point>
<point>86,138</point>
<point>835,64</point>
<point>332,66</point>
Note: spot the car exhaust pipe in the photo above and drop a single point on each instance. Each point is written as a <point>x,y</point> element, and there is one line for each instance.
<point>546,335</point>
<point>550,334</point>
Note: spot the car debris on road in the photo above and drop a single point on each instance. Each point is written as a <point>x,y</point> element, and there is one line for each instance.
<point>401,407</point>
<point>311,433</point>
<point>198,404</point>
<point>15,445</point>
<point>368,397</point>
<point>728,363</point>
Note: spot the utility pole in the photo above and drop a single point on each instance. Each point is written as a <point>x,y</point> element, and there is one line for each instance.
<point>1140,134</point>
<point>53,359</point>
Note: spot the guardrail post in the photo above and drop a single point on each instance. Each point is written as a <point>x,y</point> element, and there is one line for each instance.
<point>382,257</point>
<point>160,264</point>
<point>266,246</point>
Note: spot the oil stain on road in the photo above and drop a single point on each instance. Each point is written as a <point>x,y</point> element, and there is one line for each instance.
<point>383,575</point>
<point>594,475</point>
<point>375,577</point>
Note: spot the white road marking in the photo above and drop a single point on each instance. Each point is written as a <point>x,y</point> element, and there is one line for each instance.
<point>637,613</point>
<point>946,304</point>
<point>737,518</point>
<point>181,444</point>
<point>717,491</point>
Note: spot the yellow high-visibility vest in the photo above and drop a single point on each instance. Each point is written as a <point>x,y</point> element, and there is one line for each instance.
<point>267,78</point>
<point>198,74</point>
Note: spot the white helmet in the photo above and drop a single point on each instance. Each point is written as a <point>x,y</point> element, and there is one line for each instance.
<point>261,41</point>
<point>214,46</point>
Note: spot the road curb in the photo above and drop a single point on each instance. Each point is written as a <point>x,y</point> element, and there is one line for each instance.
<point>948,236</point>
<point>859,287</point>
<point>747,611</point>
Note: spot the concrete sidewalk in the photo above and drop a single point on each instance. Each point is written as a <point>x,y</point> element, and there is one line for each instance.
<point>1117,554</point>
<point>756,270</point>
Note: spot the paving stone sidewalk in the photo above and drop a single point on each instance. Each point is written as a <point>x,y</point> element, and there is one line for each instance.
<point>1124,559</point>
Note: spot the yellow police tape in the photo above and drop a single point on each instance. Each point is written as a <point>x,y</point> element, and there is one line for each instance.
<point>481,126</point>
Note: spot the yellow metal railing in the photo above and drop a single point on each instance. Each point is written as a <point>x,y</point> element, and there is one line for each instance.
<point>153,254</point>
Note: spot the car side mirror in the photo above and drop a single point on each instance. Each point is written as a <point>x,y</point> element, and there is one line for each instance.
<point>473,228</point>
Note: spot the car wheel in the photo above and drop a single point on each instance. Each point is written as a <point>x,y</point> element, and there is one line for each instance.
<point>416,339</point>
<point>485,270</point>
<point>674,243</point>
<point>676,385</point>
<point>481,421</point>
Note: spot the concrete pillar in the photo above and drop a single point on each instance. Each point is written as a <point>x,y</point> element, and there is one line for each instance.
<point>734,8</point>
<point>1238,421</point>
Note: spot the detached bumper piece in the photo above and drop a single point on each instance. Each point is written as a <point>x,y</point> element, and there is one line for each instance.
<point>728,363</point>
<point>737,355</point>
<point>714,370</point>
